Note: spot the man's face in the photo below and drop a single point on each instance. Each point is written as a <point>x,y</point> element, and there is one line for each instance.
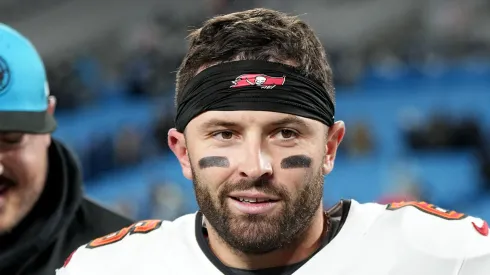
<point>258,176</point>
<point>23,166</point>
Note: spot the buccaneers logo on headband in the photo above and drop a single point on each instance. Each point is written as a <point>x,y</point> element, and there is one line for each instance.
<point>261,80</point>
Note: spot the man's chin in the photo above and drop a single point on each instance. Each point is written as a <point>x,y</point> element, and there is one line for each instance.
<point>255,239</point>
<point>5,230</point>
<point>254,227</point>
<point>7,223</point>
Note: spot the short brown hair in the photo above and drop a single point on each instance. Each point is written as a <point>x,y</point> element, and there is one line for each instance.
<point>257,34</point>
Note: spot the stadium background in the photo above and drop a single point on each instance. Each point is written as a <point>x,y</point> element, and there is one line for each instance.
<point>412,79</point>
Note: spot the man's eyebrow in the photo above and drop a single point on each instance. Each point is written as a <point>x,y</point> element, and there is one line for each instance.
<point>219,123</point>
<point>215,123</point>
<point>289,120</point>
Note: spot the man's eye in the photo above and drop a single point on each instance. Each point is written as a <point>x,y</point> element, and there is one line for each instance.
<point>223,135</point>
<point>286,134</point>
<point>12,138</point>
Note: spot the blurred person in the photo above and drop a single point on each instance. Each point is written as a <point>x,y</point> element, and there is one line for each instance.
<point>468,134</point>
<point>43,215</point>
<point>255,132</point>
<point>360,142</point>
<point>89,71</point>
<point>435,134</point>
<point>141,70</point>
<point>126,207</point>
<point>67,87</point>
<point>128,146</point>
<point>407,191</point>
<point>166,201</point>
<point>404,184</point>
<point>98,155</point>
<point>483,157</point>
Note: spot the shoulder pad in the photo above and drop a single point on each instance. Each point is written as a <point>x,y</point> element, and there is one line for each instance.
<point>477,260</point>
<point>141,227</point>
<point>433,230</point>
<point>124,251</point>
<point>105,250</point>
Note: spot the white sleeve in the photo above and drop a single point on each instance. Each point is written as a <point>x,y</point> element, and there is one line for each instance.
<point>72,265</point>
<point>477,260</point>
<point>476,266</point>
<point>100,261</point>
<point>95,257</point>
<point>110,254</point>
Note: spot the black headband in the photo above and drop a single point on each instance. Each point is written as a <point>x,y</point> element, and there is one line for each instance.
<point>256,86</point>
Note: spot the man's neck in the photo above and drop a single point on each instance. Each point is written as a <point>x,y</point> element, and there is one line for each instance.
<point>301,249</point>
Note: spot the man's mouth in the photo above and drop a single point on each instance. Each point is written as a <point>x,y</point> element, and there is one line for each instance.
<point>5,185</point>
<point>253,200</point>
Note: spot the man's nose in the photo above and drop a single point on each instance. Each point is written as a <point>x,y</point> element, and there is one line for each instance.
<point>255,163</point>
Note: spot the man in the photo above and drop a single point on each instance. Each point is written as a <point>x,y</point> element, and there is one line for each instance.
<point>255,132</point>
<point>43,216</point>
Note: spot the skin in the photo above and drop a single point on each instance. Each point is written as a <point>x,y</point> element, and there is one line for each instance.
<point>23,166</point>
<point>255,143</point>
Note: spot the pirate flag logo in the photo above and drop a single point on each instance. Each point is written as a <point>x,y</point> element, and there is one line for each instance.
<point>4,75</point>
<point>261,80</point>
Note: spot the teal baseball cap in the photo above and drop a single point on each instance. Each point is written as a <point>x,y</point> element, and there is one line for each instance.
<point>24,90</point>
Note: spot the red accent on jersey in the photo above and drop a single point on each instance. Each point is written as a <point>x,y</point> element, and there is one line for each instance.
<point>481,229</point>
<point>67,261</point>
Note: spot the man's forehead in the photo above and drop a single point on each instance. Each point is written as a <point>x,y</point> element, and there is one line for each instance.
<point>248,118</point>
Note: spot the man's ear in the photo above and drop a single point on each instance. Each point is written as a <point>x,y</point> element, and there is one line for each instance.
<point>334,137</point>
<point>51,105</point>
<point>176,142</point>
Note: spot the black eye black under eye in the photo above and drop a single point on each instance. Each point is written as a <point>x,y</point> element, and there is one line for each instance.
<point>214,161</point>
<point>296,161</point>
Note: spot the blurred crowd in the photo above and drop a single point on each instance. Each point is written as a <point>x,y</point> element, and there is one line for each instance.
<point>146,69</point>
<point>442,132</point>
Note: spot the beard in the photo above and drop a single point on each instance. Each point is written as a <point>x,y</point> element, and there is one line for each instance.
<point>260,234</point>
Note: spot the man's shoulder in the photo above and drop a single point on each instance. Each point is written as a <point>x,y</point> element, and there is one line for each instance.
<point>412,236</point>
<point>127,245</point>
<point>432,230</point>
<point>424,218</point>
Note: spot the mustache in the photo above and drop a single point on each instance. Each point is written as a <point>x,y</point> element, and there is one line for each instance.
<point>262,185</point>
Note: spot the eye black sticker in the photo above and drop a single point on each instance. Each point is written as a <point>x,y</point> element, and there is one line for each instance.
<point>214,161</point>
<point>296,161</point>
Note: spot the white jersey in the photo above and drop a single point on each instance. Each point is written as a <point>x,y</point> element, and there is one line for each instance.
<point>399,239</point>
